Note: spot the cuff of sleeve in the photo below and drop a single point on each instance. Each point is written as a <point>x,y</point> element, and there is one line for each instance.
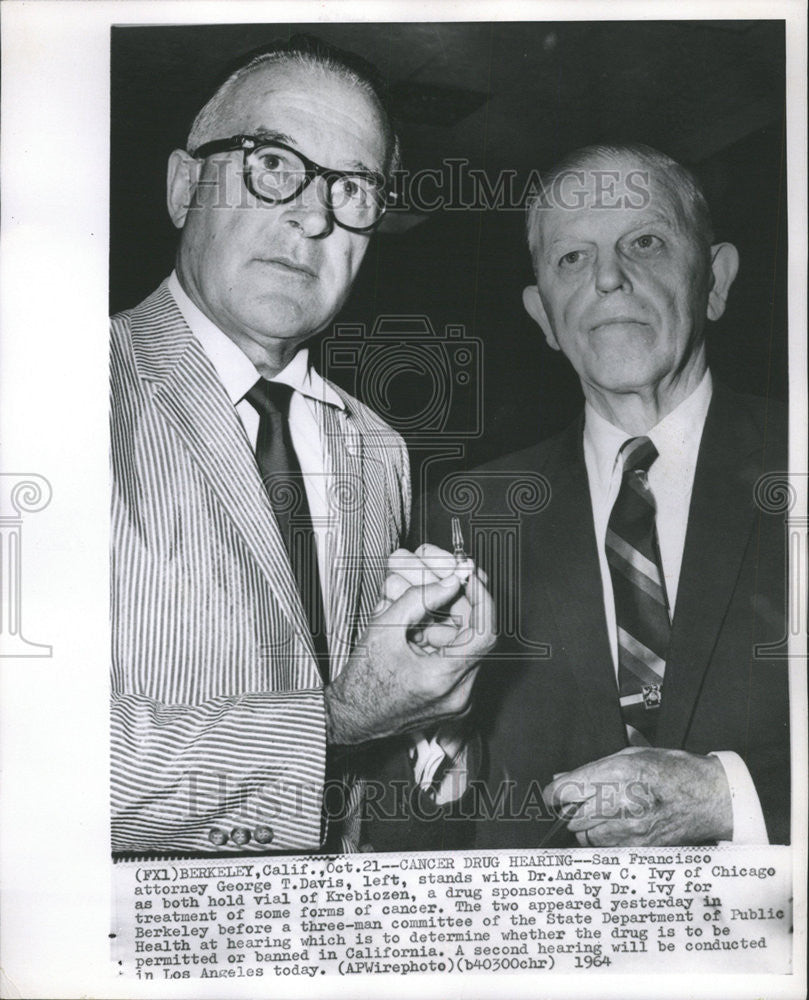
<point>239,774</point>
<point>748,819</point>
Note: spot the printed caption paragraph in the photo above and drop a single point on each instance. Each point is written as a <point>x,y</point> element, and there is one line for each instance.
<point>703,909</point>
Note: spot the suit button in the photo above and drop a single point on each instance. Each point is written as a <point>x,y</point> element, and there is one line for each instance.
<point>263,834</point>
<point>217,837</point>
<point>239,835</point>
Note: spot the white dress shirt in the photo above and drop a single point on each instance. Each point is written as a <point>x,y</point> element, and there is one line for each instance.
<point>238,375</point>
<point>671,479</point>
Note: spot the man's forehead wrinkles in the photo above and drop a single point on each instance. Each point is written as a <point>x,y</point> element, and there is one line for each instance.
<point>311,97</point>
<point>271,134</point>
<point>592,225</point>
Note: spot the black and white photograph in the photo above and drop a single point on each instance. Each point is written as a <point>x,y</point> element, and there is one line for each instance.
<point>433,602</point>
<point>253,667</point>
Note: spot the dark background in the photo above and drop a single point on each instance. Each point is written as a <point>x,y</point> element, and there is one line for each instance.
<point>503,96</point>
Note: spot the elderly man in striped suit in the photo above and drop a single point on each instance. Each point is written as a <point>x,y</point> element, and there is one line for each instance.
<point>255,504</point>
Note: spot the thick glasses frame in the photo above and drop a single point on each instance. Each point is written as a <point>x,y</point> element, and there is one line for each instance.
<point>248,144</point>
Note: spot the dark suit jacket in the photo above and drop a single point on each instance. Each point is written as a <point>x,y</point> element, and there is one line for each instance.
<point>539,715</point>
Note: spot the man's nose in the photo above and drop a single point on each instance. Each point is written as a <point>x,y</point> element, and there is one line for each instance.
<point>310,211</point>
<point>609,273</point>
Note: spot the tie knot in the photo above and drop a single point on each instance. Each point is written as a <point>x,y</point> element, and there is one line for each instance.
<point>639,454</point>
<point>270,398</point>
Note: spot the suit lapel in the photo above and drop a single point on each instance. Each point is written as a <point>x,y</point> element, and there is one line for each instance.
<point>343,450</point>
<point>720,522</point>
<point>564,546</point>
<point>194,403</point>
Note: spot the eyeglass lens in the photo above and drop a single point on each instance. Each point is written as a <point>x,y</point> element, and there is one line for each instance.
<point>277,174</point>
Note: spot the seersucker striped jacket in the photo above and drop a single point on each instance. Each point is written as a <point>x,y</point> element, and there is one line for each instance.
<point>217,706</point>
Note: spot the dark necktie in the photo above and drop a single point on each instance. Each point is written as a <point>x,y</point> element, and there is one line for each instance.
<point>641,605</point>
<point>283,480</point>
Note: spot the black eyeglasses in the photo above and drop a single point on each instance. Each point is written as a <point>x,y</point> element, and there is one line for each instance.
<point>275,173</point>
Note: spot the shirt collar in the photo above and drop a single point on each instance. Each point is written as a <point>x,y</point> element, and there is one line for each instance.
<point>236,371</point>
<point>678,433</point>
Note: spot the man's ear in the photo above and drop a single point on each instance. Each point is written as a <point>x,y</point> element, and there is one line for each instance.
<point>724,268</point>
<point>181,182</point>
<point>535,309</point>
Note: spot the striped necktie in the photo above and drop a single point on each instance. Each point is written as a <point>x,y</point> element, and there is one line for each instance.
<point>641,605</point>
<point>283,480</point>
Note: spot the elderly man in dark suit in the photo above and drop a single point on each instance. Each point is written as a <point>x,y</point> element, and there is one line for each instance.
<point>651,573</point>
<point>626,704</point>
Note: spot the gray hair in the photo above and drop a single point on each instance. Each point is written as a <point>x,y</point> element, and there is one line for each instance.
<point>310,52</point>
<point>696,215</point>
